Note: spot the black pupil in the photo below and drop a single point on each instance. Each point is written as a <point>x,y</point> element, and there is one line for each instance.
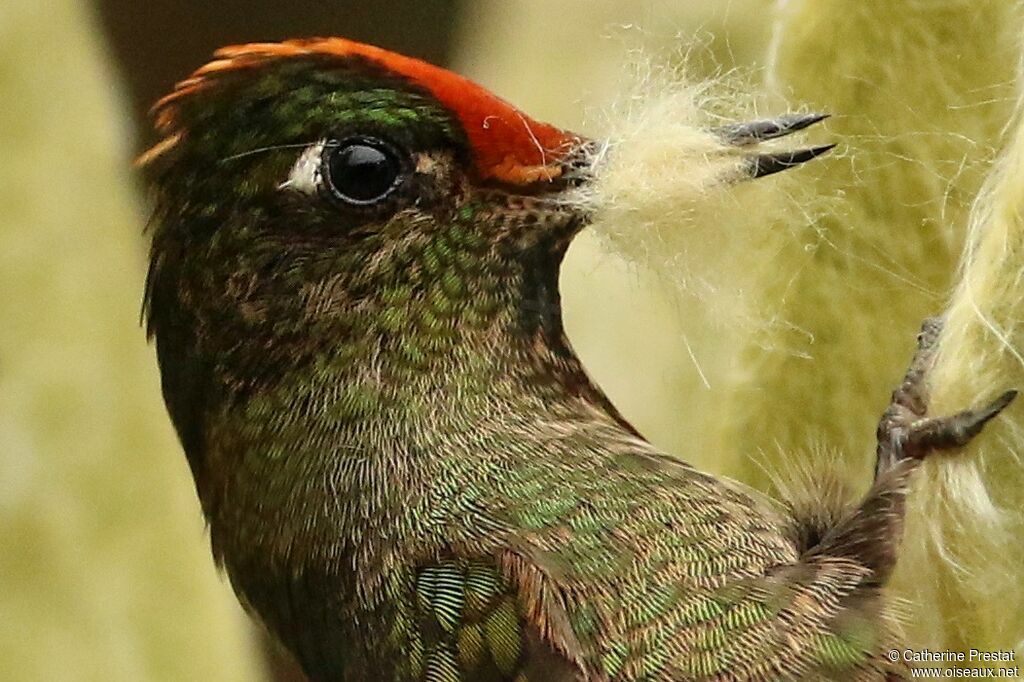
<point>362,172</point>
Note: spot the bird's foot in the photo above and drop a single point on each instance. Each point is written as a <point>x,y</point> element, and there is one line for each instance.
<point>906,431</point>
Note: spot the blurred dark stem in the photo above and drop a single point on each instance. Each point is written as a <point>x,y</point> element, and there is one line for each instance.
<point>158,42</point>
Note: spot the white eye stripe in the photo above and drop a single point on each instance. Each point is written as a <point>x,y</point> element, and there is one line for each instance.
<point>306,176</point>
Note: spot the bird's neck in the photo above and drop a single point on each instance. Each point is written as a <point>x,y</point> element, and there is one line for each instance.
<point>373,388</point>
<point>450,318</point>
<point>374,443</point>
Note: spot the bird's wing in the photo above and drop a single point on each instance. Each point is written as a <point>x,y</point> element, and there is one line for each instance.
<point>473,626</point>
<point>648,569</point>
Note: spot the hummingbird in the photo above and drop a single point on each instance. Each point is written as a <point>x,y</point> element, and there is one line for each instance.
<point>406,471</point>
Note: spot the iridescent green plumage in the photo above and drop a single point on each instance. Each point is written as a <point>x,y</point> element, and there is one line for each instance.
<point>406,471</point>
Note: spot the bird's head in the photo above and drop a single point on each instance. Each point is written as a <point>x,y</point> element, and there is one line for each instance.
<point>313,192</point>
<point>325,185</point>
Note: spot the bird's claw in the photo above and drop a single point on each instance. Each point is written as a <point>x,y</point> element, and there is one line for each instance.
<point>905,430</point>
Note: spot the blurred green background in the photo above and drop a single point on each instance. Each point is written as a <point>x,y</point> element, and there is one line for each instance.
<point>105,572</point>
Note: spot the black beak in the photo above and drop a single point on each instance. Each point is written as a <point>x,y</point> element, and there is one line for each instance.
<point>753,133</point>
<point>769,164</point>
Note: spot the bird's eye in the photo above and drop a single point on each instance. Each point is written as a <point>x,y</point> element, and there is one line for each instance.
<point>361,171</point>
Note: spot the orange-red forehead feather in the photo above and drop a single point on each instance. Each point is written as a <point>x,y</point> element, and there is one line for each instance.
<point>508,146</point>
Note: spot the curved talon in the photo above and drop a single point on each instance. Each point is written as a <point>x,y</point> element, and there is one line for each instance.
<point>954,431</point>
